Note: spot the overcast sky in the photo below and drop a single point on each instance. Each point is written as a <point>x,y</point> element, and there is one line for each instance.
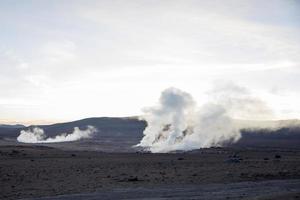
<point>67,60</point>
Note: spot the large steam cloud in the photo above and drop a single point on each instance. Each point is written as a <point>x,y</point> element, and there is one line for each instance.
<point>176,123</point>
<point>37,135</point>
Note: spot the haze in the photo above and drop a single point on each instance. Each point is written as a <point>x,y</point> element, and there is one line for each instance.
<point>66,60</point>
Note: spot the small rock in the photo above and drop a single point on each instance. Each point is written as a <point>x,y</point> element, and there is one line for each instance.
<point>233,160</point>
<point>133,179</point>
<point>15,151</point>
<point>277,156</point>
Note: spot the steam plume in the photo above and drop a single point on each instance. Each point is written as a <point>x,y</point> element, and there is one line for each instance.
<point>176,123</point>
<point>37,135</point>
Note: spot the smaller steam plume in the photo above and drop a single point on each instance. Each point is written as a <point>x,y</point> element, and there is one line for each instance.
<point>37,135</point>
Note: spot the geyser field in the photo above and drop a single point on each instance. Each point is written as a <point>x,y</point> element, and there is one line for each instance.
<point>150,100</point>
<point>175,150</point>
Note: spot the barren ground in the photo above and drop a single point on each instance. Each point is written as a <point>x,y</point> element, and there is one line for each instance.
<point>33,171</point>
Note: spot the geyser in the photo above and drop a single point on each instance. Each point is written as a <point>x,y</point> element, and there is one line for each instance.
<point>176,123</point>
<point>37,135</point>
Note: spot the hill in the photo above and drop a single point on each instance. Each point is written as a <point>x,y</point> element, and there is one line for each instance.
<point>120,134</point>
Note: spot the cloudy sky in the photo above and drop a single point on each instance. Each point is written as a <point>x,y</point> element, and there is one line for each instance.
<point>66,60</point>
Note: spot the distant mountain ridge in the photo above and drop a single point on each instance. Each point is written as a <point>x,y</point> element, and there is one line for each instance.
<point>130,126</point>
<point>12,126</point>
<point>123,133</point>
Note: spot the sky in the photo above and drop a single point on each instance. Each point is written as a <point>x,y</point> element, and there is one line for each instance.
<point>65,60</point>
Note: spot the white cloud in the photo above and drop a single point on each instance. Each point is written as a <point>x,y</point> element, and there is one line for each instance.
<point>104,51</point>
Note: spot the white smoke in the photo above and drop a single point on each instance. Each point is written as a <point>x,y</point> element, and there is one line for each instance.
<point>176,123</point>
<point>239,102</point>
<point>37,135</point>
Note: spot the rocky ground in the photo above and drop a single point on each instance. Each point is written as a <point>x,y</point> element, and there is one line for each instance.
<point>37,171</point>
<point>259,190</point>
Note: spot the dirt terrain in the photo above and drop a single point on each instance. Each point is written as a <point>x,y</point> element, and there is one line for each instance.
<point>36,171</point>
<point>259,190</point>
